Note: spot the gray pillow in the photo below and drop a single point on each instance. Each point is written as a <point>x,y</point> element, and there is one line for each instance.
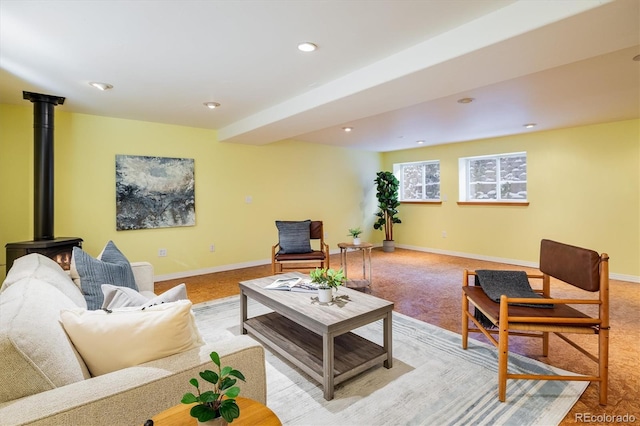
<point>293,236</point>
<point>124,297</point>
<point>112,268</point>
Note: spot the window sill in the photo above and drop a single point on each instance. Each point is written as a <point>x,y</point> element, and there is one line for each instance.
<point>421,202</point>
<point>493,203</point>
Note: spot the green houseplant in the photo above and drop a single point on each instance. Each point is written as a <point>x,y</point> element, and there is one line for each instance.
<point>220,401</point>
<point>355,233</point>
<point>387,194</point>
<point>327,280</point>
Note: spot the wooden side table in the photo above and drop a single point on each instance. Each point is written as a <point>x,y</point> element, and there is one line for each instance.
<point>365,248</point>
<point>252,413</point>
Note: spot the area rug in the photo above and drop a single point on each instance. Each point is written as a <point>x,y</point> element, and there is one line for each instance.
<point>433,380</point>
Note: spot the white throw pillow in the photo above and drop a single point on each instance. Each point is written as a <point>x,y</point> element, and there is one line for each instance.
<point>35,265</point>
<point>131,336</point>
<point>123,297</point>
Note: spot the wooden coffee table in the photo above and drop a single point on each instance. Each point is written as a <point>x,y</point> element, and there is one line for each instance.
<point>316,337</point>
<point>252,413</point>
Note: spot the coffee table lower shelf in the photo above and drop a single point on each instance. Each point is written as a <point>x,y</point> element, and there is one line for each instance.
<point>353,354</point>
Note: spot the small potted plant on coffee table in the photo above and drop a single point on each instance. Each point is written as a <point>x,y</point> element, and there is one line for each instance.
<point>327,280</point>
<point>219,404</point>
<point>355,233</point>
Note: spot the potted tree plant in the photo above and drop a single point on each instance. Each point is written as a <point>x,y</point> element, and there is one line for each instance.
<point>219,404</point>
<point>387,194</point>
<point>327,280</point>
<point>355,233</point>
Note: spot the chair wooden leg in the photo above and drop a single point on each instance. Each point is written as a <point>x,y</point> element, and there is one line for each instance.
<point>465,321</point>
<point>603,365</point>
<point>465,309</point>
<point>503,349</point>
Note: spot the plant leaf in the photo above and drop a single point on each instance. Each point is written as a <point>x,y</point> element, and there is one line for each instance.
<point>209,376</point>
<point>229,410</point>
<point>233,392</point>
<point>189,398</point>
<point>226,383</point>
<point>236,373</point>
<point>225,371</point>
<point>195,383</point>
<point>202,413</point>
<point>209,396</point>
<point>215,358</point>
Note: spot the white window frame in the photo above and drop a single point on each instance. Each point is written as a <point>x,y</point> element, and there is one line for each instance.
<point>398,172</point>
<point>465,176</point>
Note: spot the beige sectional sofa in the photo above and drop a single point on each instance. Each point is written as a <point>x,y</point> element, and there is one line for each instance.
<point>46,382</point>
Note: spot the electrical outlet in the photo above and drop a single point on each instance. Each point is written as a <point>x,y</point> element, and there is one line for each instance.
<point>444,234</point>
<point>212,248</point>
<point>162,252</point>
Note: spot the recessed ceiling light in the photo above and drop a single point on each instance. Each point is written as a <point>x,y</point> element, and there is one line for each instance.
<point>100,86</point>
<point>529,125</point>
<point>211,105</point>
<point>347,129</point>
<point>466,100</point>
<point>419,142</point>
<point>307,46</point>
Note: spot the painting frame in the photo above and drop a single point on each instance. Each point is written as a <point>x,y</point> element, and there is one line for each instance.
<point>154,192</point>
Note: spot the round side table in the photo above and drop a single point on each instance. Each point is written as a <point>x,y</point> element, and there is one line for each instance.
<point>251,413</point>
<point>365,248</point>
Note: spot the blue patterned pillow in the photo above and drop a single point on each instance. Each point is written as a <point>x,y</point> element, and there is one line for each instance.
<point>294,236</point>
<point>112,267</point>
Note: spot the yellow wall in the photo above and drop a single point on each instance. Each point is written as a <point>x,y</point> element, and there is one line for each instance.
<point>288,180</point>
<point>583,187</point>
<point>583,184</point>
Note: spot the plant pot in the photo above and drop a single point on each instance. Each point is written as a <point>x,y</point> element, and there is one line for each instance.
<point>356,241</point>
<point>325,295</point>
<point>218,421</point>
<point>388,246</point>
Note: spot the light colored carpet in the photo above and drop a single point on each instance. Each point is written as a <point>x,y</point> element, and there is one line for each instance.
<point>433,380</point>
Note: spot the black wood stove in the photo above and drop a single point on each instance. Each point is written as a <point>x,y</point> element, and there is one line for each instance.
<point>44,242</point>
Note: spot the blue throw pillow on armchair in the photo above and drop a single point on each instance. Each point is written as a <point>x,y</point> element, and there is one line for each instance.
<point>293,236</point>
<point>111,267</point>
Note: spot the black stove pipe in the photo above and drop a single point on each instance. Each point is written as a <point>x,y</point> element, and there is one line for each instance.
<point>43,106</point>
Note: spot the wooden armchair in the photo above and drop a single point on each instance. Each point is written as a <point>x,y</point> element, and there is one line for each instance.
<point>300,246</point>
<point>582,268</point>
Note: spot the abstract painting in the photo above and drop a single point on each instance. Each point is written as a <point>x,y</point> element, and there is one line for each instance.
<point>154,192</point>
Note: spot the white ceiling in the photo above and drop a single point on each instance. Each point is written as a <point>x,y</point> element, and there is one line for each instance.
<point>392,69</point>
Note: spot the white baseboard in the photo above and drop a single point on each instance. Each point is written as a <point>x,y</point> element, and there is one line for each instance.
<point>471,256</point>
<point>222,268</point>
<point>613,276</point>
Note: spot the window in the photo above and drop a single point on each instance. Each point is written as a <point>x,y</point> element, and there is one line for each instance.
<point>501,177</point>
<point>419,181</point>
